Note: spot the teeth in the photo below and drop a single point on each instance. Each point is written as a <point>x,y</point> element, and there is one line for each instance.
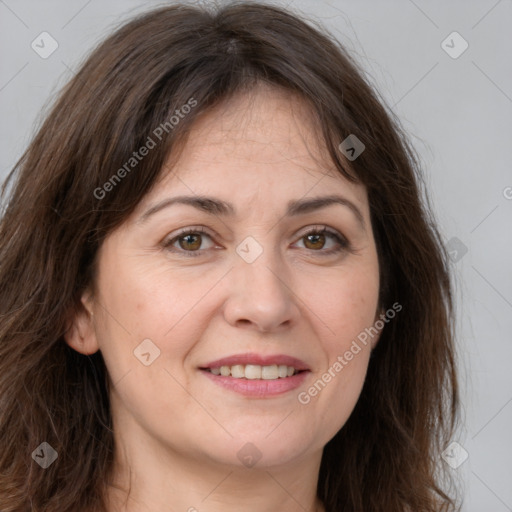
<point>237,371</point>
<point>270,372</point>
<point>254,371</point>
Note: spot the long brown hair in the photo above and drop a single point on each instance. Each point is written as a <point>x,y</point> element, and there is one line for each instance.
<point>386,456</point>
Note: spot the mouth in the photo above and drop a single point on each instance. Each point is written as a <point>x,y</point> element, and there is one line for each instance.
<point>257,376</point>
<point>254,371</point>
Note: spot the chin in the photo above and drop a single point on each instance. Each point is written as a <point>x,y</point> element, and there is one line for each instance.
<point>261,450</point>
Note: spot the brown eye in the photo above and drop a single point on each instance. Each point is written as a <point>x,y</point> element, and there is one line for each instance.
<point>187,242</point>
<point>316,239</point>
<point>190,242</point>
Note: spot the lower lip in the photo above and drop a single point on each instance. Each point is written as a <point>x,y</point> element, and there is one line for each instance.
<point>258,387</point>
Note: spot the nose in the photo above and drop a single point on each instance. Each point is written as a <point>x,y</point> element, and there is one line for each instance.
<point>261,295</point>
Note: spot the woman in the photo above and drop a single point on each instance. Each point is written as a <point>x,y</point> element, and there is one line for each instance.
<point>219,285</point>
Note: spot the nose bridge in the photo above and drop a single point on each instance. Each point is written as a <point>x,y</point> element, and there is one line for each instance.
<point>260,268</point>
<point>260,293</point>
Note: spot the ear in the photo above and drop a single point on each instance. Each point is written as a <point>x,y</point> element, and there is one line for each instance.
<point>81,335</point>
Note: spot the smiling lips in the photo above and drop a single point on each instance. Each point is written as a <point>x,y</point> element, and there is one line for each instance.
<point>254,371</point>
<point>255,375</point>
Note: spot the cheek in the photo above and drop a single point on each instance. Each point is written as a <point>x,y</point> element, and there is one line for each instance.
<point>346,309</point>
<point>147,329</point>
<point>347,305</point>
<point>136,306</point>
<point>149,302</point>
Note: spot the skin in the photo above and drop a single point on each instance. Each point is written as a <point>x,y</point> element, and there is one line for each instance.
<point>178,432</point>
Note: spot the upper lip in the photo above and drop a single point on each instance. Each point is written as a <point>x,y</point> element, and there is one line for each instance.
<point>258,359</point>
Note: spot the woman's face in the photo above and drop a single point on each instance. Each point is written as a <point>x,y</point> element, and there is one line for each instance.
<point>250,282</point>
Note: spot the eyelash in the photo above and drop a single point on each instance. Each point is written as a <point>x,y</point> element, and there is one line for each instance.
<point>344,245</point>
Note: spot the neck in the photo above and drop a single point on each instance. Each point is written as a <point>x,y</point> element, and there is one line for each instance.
<point>161,480</point>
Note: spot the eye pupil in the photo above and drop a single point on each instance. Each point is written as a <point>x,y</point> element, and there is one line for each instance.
<point>188,237</point>
<point>316,238</point>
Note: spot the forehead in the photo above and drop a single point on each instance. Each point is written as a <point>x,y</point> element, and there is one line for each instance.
<point>265,142</point>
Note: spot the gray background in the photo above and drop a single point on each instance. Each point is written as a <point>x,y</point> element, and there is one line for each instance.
<point>458,114</point>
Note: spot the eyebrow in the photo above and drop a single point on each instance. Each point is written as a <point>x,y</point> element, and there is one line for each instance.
<point>217,207</point>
